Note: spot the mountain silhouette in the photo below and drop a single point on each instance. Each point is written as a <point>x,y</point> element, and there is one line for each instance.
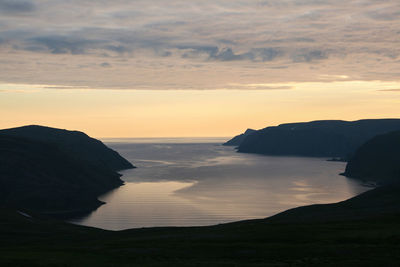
<point>377,160</point>
<point>237,140</point>
<point>327,138</point>
<point>74,143</point>
<point>54,171</point>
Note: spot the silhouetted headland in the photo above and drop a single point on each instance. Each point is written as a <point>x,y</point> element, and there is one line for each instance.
<point>378,160</point>
<point>74,143</point>
<point>326,138</point>
<point>54,171</point>
<point>361,231</point>
<point>237,140</point>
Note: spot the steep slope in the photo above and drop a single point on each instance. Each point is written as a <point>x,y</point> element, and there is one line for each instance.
<point>38,176</point>
<point>317,138</point>
<point>377,160</point>
<point>76,144</point>
<point>237,140</point>
<point>55,171</point>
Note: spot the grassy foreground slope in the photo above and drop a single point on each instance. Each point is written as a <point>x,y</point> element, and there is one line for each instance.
<point>278,241</point>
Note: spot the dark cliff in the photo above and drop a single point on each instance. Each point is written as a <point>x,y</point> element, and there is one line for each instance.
<point>377,160</point>
<point>328,138</point>
<point>237,140</point>
<point>74,143</point>
<point>47,177</point>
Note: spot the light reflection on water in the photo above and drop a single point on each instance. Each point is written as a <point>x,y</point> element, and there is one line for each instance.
<point>185,184</point>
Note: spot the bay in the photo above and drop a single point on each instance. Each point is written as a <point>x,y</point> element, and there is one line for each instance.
<point>197,182</point>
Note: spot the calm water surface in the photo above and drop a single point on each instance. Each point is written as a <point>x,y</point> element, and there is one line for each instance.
<point>186,182</point>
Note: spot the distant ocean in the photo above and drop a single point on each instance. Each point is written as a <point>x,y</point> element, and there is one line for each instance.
<point>167,140</point>
<point>197,181</point>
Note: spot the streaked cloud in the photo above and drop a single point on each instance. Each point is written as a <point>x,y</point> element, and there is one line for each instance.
<point>197,44</point>
<point>390,90</point>
<point>16,6</point>
<point>255,86</point>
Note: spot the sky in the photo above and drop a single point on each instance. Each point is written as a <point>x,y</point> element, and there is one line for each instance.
<point>153,68</point>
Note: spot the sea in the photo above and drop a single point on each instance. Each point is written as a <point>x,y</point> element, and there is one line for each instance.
<point>199,182</point>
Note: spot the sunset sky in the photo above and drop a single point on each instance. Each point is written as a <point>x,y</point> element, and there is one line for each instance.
<point>153,68</point>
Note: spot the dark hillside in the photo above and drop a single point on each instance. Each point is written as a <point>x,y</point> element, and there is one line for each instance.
<point>377,160</point>
<point>316,138</point>
<point>39,176</point>
<point>237,140</point>
<point>283,241</point>
<point>74,143</point>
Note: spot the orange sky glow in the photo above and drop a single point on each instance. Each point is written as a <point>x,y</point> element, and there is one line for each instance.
<point>179,113</point>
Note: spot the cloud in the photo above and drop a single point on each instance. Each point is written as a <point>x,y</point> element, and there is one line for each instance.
<point>193,51</point>
<point>120,49</point>
<point>226,54</point>
<point>226,40</point>
<point>267,54</point>
<point>259,87</point>
<point>63,44</point>
<point>390,90</point>
<point>309,56</point>
<point>105,64</point>
<point>385,14</point>
<point>16,6</point>
<point>60,87</point>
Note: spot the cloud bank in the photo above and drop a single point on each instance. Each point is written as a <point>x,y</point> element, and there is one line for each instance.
<point>197,44</point>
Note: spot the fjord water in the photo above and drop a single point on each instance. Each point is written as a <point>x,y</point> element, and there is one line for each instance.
<point>195,182</point>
